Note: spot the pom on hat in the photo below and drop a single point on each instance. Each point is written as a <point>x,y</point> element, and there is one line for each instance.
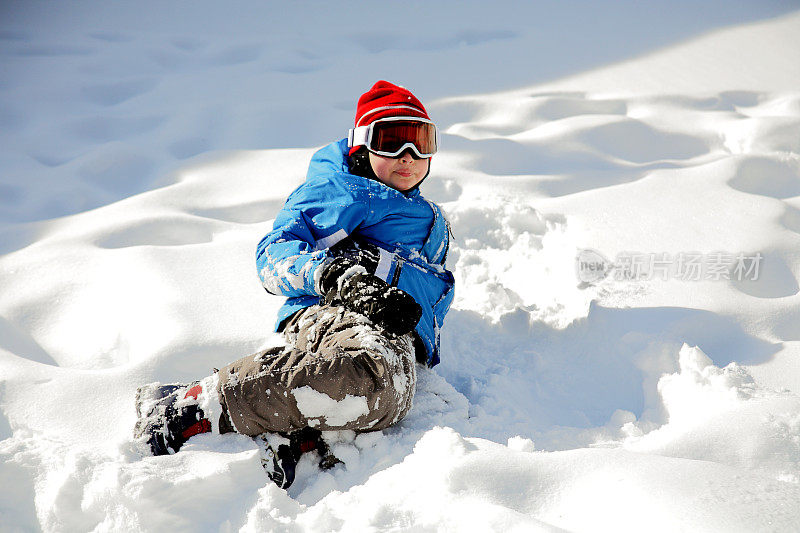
<point>386,99</point>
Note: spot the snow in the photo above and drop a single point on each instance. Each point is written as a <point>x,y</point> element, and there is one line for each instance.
<point>145,148</point>
<point>314,404</point>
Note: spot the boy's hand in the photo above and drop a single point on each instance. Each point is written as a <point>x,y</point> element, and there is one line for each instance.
<point>334,274</point>
<point>387,306</point>
<point>364,254</point>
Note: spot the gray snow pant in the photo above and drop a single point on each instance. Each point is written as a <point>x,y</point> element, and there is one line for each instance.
<point>337,371</point>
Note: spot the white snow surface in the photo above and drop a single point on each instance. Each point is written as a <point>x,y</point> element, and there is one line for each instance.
<point>145,148</point>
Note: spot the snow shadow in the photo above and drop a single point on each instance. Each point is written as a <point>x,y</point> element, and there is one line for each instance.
<point>18,496</point>
<point>527,378</point>
<point>21,343</point>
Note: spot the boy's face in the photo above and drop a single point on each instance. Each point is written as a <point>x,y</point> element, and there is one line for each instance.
<point>401,173</point>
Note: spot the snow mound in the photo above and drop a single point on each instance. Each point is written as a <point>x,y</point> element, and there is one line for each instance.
<point>722,416</point>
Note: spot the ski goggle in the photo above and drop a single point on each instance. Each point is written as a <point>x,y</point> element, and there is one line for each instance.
<point>391,136</point>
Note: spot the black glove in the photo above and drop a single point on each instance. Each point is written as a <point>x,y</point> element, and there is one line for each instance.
<point>363,253</point>
<point>348,253</point>
<point>387,306</point>
<point>329,280</point>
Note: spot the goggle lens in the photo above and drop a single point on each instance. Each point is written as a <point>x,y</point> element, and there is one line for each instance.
<point>390,138</point>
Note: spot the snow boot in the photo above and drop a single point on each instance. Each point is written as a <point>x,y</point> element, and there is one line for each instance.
<point>276,459</point>
<point>309,439</point>
<point>168,415</point>
<point>281,453</point>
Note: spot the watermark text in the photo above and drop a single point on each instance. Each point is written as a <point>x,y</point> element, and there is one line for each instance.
<point>591,266</point>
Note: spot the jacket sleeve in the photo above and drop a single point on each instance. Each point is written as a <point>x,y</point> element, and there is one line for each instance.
<point>317,215</point>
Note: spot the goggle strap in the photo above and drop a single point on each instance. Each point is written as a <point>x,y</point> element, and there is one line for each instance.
<point>357,136</point>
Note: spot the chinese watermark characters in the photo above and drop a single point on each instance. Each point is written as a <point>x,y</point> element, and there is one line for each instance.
<point>591,266</point>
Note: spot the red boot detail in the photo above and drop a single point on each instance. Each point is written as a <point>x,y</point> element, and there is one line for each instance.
<point>194,392</point>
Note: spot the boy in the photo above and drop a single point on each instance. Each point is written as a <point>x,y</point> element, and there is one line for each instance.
<point>360,255</point>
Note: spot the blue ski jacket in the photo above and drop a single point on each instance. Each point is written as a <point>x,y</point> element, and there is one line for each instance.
<point>411,233</point>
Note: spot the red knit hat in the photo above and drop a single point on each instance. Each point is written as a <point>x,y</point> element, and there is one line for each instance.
<point>386,99</point>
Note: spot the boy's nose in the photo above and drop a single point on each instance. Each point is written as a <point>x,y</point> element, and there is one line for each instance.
<point>407,156</point>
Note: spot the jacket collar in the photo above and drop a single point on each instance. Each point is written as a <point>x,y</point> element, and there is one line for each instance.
<point>334,158</point>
